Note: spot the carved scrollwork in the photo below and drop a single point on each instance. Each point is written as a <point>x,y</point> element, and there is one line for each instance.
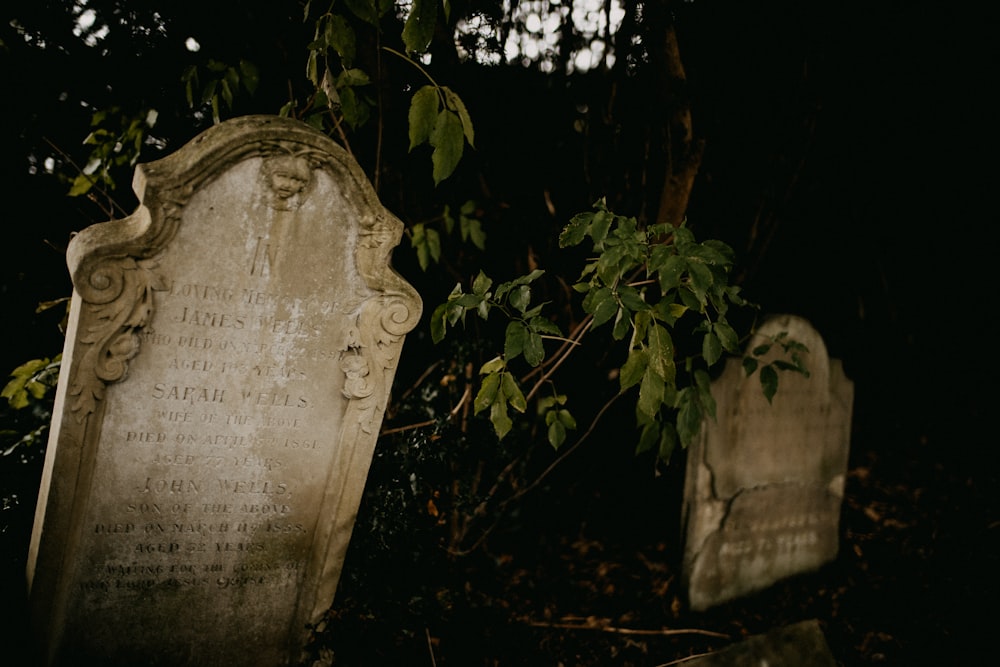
<point>117,300</point>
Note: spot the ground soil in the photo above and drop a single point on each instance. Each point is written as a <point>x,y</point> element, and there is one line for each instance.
<point>914,582</point>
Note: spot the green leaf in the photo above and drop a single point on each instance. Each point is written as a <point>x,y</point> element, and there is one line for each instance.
<point>688,417</point>
<point>704,384</point>
<point>668,442</point>
<point>81,185</point>
<point>448,144</point>
<point>208,93</point>
<point>670,273</point>
<point>701,279</point>
<point>556,434</point>
<point>623,324</point>
<point>599,226</point>
<point>711,349</point>
<point>690,300</point>
<point>605,308</point>
<point>27,378</point>
<point>634,368</point>
<point>520,298</point>
<point>544,326</point>
<point>500,419</point>
<point>514,340</point>
<point>468,300</point>
<point>481,284</point>
<point>492,366</point>
<point>487,393</point>
<point>631,298</point>
<point>769,381</point>
<point>791,366</point>
<point>576,230</point>
<point>472,229</point>
<point>534,351</point>
<point>312,68</point>
<point>567,419</point>
<point>353,77</point>
<point>749,365</point>
<point>513,392</point>
<point>761,350</point>
<point>418,240</point>
<point>250,75</point>
<point>423,115</point>
<point>727,336</point>
<point>529,278</point>
<point>419,27</point>
<point>434,244</point>
<point>439,322</point>
<point>661,353</point>
<point>708,254</point>
<point>454,102</point>
<point>610,266</point>
<point>232,81</point>
<point>651,393</point>
<point>351,108</point>
<point>449,221</point>
<point>648,438</point>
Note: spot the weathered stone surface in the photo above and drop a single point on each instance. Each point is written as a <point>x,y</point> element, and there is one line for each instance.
<point>798,645</point>
<point>228,362</point>
<point>764,482</point>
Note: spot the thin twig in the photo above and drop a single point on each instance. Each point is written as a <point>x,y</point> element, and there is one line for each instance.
<point>340,130</point>
<point>563,354</point>
<point>573,336</point>
<point>481,508</point>
<point>545,473</point>
<point>420,380</point>
<point>422,71</point>
<point>94,183</point>
<point>408,427</point>
<point>431,422</point>
<point>665,632</point>
<point>430,647</point>
<point>682,660</point>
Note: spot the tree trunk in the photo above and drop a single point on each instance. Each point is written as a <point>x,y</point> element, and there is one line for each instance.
<point>683,151</point>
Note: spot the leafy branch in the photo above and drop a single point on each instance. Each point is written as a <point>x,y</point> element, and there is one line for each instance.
<point>641,282</point>
<point>426,240</point>
<point>438,116</point>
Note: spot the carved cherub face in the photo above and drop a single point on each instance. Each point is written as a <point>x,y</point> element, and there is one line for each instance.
<point>286,176</point>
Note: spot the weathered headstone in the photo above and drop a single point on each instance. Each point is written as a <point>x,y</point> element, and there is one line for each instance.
<point>229,357</point>
<point>799,645</point>
<point>764,482</point>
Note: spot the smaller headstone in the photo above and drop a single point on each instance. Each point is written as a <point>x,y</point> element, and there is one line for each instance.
<point>765,481</point>
<point>798,645</point>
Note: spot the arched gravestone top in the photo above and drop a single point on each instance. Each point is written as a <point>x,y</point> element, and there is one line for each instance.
<point>765,481</point>
<point>775,442</point>
<point>229,358</point>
